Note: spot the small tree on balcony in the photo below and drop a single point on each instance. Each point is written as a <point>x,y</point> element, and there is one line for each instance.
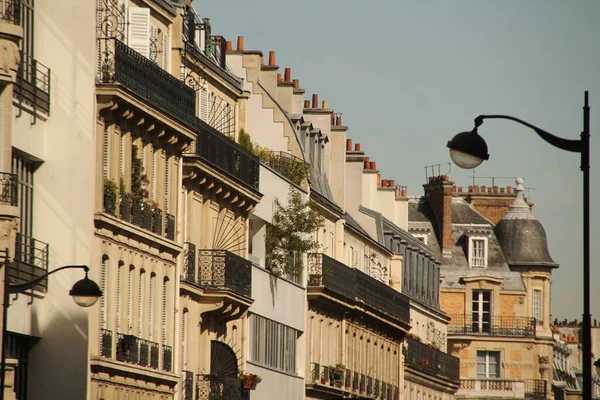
<point>139,180</point>
<point>289,237</point>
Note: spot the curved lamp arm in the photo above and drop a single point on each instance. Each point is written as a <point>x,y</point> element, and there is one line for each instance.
<point>575,146</point>
<point>21,288</point>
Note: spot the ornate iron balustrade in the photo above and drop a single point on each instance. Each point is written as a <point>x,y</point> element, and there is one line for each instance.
<point>333,275</point>
<point>8,189</point>
<point>30,261</point>
<point>492,326</point>
<point>221,269</point>
<point>353,382</point>
<point>430,360</point>
<point>292,167</point>
<point>167,360</point>
<point>206,62</point>
<point>133,350</point>
<point>32,86</point>
<point>536,389</point>
<point>227,155</point>
<point>187,385</point>
<point>189,262</point>
<point>213,387</point>
<point>123,65</point>
<point>140,213</point>
<point>157,218</point>
<point>110,199</point>
<point>10,11</point>
<point>170,227</point>
<point>105,343</point>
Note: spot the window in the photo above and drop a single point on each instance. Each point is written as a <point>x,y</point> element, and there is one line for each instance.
<point>165,300</point>
<point>537,306</point>
<point>477,252</point>
<point>488,364</point>
<point>24,169</point>
<point>103,287</point>
<point>481,307</point>
<point>421,237</point>
<point>130,283</point>
<point>272,344</point>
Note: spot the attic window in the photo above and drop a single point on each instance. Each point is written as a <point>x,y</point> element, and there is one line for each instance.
<point>421,237</point>
<point>478,251</point>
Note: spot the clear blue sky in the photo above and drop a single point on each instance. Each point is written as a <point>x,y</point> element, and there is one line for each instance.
<point>408,75</point>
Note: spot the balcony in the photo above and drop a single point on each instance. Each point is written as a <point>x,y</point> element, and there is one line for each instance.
<point>123,65</point>
<point>187,385</point>
<point>213,387</point>
<point>134,350</point>
<point>330,274</point>
<point>33,84</point>
<point>293,168</point>
<point>30,261</point>
<point>534,389</point>
<point>431,361</point>
<point>352,383</point>
<point>218,270</point>
<point>105,343</point>
<point>8,189</point>
<point>465,325</point>
<point>10,11</point>
<point>201,61</point>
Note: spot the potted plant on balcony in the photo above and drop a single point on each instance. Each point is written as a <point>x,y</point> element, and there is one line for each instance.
<point>336,374</point>
<point>110,197</point>
<point>249,381</point>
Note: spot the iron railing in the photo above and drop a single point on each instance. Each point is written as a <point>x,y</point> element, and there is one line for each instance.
<point>213,387</point>
<point>170,227</point>
<point>138,212</point>
<point>534,389</point>
<point>223,270</point>
<point>133,350</point>
<point>187,385</point>
<point>8,189</point>
<point>491,326</point>
<point>291,167</point>
<point>146,79</point>
<point>10,11</point>
<point>227,155</point>
<point>30,262</point>
<point>105,343</point>
<point>189,262</point>
<point>206,62</point>
<point>157,218</point>
<point>430,360</point>
<point>353,382</point>
<point>333,275</point>
<point>33,84</point>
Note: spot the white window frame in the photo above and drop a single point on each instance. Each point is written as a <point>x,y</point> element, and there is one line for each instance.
<point>487,363</point>
<point>422,237</point>
<point>538,313</point>
<point>478,261</point>
<point>481,321</point>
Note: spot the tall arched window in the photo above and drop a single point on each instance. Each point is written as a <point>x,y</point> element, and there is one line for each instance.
<point>130,289</point>
<point>151,294</point>
<point>165,305</point>
<point>103,287</point>
<point>119,294</point>
<point>141,302</point>
<point>184,328</point>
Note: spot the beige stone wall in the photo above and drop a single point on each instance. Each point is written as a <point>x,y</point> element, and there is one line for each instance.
<point>452,302</point>
<point>417,391</point>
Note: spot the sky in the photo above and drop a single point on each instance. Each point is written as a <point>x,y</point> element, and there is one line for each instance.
<point>409,75</point>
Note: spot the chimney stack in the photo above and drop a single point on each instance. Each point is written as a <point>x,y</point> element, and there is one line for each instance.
<point>315,101</point>
<point>348,144</point>
<point>306,103</point>
<point>228,45</point>
<point>240,43</point>
<point>296,84</point>
<point>325,104</point>
<point>272,58</point>
<point>357,147</point>
<point>391,183</point>
<point>278,77</point>
<point>338,121</point>
<point>439,193</point>
<point>287,75</point>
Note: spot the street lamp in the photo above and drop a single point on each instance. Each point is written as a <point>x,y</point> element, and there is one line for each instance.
<point>85,293</point>
<point>468,150</point>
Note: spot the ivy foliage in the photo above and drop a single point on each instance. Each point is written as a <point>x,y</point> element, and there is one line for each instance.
<point>244,140</point>
<point>289,237</point>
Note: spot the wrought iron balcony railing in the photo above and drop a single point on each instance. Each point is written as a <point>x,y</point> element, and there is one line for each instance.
<point>227,155</point>
<point>189,262</point>
<point>206,62</point>
<point>105,343</point>
<point>353,382</point>
<point>222,270</point>
<point>333,275</point>
<point>491,326</point>
<point>138,212</point>
<point>292,167</point>
<point>123,65</point>
<point>30,262</point>
<point>10,11</point>
<point>534,389</point>
<point>8,189</point>
<point>133,350</point>
<point>167,358</point>
<point>187,385</point>
<point>33,84</point>
<point>213,387</point>
<point>170,227</point>
<point>420,356</point>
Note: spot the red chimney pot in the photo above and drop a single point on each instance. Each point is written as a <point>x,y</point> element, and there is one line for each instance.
<point>240,43</point>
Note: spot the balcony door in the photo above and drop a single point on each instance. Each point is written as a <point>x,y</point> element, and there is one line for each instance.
<point>482,309</point>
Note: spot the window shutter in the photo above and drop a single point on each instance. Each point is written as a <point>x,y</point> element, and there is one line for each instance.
<point>164,311</point>
<point>184,340</point>
<point>166,50</point>
<point>167,184</point>
<point>130,300</point>
<point>106,153</point>
<point>154,45</point>
<point>151,306</point>
<point>139,30</point>
<point>119,293</point>
<point>103,276</point>
<point>204,104</point>
<point>141,289</point>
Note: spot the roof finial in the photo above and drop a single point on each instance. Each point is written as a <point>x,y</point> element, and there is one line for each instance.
<point>519,209</point>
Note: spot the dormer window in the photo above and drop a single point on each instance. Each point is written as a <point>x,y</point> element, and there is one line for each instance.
<point>421,237</point>
<point>478,251</point>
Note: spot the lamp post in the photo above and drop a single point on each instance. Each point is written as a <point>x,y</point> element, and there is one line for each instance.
<point>468,150</point>
<point>85,293</point>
